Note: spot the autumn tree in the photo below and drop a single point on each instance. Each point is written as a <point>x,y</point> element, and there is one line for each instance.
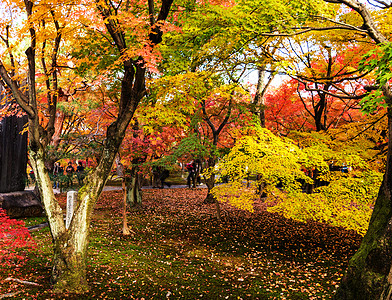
<point>286,165</point>
<point>241,42</point>
<point>284,111</point>
<point>330,84</point>
<point>114,21</point>
<point>212,109</point>
<point>369,269</point>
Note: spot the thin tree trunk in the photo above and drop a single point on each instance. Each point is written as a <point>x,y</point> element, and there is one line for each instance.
<point>210,199</point>
<point>134,197</point>
<point>210,182</point>
<point>125,229</point>
<point>259,100</point>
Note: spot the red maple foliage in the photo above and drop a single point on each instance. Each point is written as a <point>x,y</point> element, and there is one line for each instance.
<point>14,236</point>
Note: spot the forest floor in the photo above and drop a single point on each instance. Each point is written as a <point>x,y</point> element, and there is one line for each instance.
<point>179,250</point>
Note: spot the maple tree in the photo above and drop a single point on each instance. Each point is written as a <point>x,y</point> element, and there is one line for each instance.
<point>213,109</point>
<point>143,146</point>
<point>287,166</point>
<point>70,245</point>
<point>330,83</point>
<point>284,110</point>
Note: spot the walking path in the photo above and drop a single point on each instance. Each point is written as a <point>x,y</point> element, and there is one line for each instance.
<point>118,188</point>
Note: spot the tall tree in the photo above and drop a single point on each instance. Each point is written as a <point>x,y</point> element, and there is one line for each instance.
<point>70,245</point>
<point>330,84</point>
<point>370,269</point>
<point>212,108</point>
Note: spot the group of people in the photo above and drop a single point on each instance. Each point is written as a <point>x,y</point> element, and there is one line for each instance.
<point>161,174</point>
<point>70,171</point>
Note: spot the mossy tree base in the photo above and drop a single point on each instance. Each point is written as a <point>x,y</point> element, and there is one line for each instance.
<point>69,265</point>
<point>71,282</point>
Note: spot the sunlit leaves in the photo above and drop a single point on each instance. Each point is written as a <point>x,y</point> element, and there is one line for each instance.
<point>346,202</point>
<point>263,162</point>
<point>263,154</point>
<point>377,60</point>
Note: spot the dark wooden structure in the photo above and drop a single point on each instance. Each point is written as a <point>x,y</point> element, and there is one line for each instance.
<point>13,150</point>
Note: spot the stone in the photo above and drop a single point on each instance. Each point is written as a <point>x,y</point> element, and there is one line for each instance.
<point>71,204</point>
<point>21,204</point>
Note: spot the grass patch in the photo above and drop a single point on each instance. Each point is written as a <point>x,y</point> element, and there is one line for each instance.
<point>34,221</point>
<point>181,251</point>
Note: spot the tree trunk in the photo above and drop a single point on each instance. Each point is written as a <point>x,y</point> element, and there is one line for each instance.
<point>210,182</point>
<point>69,264</point>
<point>134,197</point>
<point>70,245</point>
<point>125,229</point>
<point>259,96</point>
<point>259,101</point>
<point>369,275</point>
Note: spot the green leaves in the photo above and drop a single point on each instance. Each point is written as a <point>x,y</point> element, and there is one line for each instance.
<point>378,61</point>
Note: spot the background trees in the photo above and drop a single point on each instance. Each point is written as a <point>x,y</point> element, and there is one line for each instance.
<point>324,85</point>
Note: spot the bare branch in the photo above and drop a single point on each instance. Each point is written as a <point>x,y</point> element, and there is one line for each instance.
<point>307,88</point>
<point>368,22</point>
<point>345,25</point>
<point>308,29</point>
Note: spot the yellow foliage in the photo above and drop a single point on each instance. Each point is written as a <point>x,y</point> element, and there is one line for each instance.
<point>278,164</point>
<point>237,195</point>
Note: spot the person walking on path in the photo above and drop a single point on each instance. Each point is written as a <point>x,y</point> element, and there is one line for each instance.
<point>191,167</point>
<point>70,170</point>
<point>56,174</point>
<point>80,173</point>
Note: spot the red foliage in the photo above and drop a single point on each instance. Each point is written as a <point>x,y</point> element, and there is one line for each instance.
<point>285,111</point>
<point>14,236</point>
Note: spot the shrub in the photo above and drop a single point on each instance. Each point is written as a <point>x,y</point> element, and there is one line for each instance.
<point>15,240</point>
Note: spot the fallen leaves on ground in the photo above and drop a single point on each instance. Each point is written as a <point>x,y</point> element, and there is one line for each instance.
<point>180,250</point>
